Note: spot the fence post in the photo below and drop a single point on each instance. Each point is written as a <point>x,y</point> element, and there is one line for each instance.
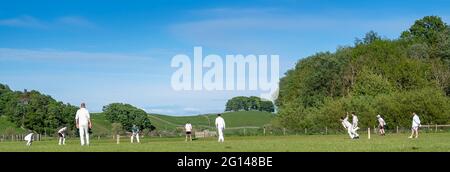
<point>306,130</point>
<point>264,130</point>
<point>368,132</point>
<point>326,130</point>
<point>118,139</point>
<point>435,128</point>
<point>284,131</point>
<point>397,129</point>
<point>245,132</point>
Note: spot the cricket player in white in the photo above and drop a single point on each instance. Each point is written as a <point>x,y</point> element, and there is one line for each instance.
<point>188,128</point>
<point>351,131</point>
<point>29,139</point>
<point>381,124</point>
<point>62,136</point>
<point>220,124</point>
<point>135,133</point>
<point>355,121</point>
<point>83,123</point>
<point>415,126</point>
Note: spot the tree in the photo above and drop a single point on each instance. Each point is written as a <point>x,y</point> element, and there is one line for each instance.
<point>390,77</point>
<point>127,115</point>
<point>249,103</point>
<point>35,111</point>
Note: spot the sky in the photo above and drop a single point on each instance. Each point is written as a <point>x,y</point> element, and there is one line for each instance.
<point>100,52</point>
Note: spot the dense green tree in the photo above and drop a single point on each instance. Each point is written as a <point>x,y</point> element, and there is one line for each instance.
<point>249,103</point>
<point>35,111</point>
<point>127,115</point>
<point>376,76</point>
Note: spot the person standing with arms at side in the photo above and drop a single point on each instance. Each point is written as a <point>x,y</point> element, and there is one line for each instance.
<point>381,124</point>
<point>188,128</point>
<point>83,123</point>
<point>355,121</point>
<point>415,126</point>
<point>220,124</point>
<point>135,133</point>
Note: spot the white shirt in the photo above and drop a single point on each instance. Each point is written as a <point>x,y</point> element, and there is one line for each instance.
<point>188,127</point>
<point>62,130</point>
<point>82,116</point>
<point>381,121</point>
<point>416,121</point>
<point>220,123</point>
<point>346,124</point>
<point>355,119</point>
<point>28,137</point>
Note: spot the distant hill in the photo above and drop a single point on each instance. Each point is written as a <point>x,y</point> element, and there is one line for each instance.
<point>249,119</point>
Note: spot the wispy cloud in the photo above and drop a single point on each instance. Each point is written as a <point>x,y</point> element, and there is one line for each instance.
<point>26,21</point>
<point>23,21</point>
<point>225,27</point>
<point>52,54</point>
<point>75,21</point>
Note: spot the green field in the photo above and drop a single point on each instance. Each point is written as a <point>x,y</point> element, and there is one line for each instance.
<point>436,142</point>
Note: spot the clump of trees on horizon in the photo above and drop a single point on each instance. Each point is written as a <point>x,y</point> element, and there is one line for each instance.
<point>127,115</point>
<point>392,78</point>
<point>242,103</point>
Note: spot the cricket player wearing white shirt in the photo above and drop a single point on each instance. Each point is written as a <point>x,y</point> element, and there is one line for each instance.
<point>355,121</point>
<point>381,124</point>
<point>62,136</point>
<point>351,131</point>
<point>188,128</point>
<point>220,124</point>
<point>415,126</point>
<point>135,133</point>
<point>29,139</point>
<point>83,123</point>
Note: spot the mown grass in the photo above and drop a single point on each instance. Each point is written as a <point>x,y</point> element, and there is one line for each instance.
<point>436,142</point>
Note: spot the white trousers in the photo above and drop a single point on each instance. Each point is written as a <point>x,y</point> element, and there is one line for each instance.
<point>84,133</point>
<point>220,131</point>
<point>29,142</point>
<point>352,132</point>
<point>137,137</point>
<point>62,140</point>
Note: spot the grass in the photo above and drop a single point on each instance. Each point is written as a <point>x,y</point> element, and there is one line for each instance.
<point>436,142</point>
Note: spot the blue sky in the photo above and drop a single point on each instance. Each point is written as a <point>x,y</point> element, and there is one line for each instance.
<point>101,52</point>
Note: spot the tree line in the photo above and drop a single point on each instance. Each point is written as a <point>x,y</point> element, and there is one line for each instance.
<point>392,78</point>
<point>33,111</point>
<point>242,103</point>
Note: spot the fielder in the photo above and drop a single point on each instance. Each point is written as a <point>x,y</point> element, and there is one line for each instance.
<point>83,123</point>
<point>381,124</point>
<point>135,133</point>
<point>355,122</point>
<point>188,128</point>
<point>29,139</point>
<point>220,124</point>
<point>351,131</point>
<point>62,136</point>
<point>415,126</point>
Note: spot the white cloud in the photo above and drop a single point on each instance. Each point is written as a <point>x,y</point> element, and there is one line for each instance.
<point>23,21</point>
<point>52,54</point>
<point>75,21</point>
<point>26,21</point>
